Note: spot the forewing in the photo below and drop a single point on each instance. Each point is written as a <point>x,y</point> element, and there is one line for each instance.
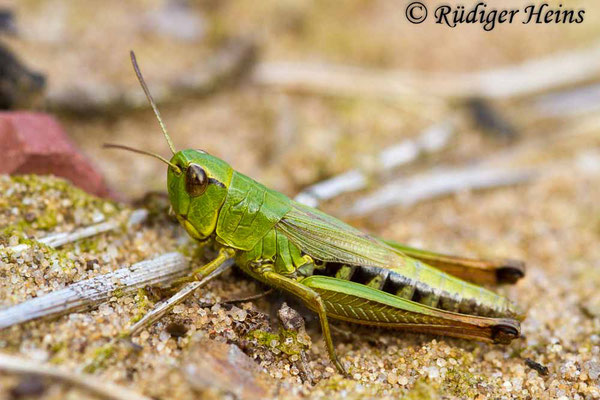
<point>328,239</point>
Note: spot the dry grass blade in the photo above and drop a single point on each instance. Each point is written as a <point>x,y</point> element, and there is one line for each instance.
<point>101,388</point>
<point>571,102</point>
<point>62,238</point>
<point>531,77</point>
<point>438,183</point>
<point>433,139</point>
<point>91,292</point>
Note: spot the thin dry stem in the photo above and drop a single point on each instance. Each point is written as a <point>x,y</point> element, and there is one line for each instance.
<point>433,139</point>
<point>62,238</point>
<point>101,388</point>
<point>91,292</point>
<point>529,78</point>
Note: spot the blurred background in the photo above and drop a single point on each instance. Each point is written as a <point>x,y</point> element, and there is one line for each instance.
<point>290,92</point>
<point>460,140</point>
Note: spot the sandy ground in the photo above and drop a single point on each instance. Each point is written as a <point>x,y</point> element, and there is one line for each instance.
<point>551,222</point>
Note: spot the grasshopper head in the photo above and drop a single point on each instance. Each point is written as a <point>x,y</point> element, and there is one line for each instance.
<point>196,181</point>
<point>197,184</point>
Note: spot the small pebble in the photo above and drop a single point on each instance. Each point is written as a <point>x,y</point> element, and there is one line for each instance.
<point>238,314</point>
<point>392,379</point>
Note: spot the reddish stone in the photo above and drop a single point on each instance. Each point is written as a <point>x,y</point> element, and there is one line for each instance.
<point>35,143</point>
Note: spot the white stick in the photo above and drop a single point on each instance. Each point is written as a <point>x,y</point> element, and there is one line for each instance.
<point>91,292</point>
<point>61,238</point>
<point>437,183</point>
<point>530,77</point>
<point>102,388</point>
<point>433,139</point>
<point>573,102</point>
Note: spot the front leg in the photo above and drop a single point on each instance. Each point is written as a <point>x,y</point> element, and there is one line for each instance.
<point>201,276</point>
<point>311,298</point>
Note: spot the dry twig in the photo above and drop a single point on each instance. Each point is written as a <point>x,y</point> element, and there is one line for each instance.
<point>101,388</point>
<point>431,140</point>
<point>528,78</point>
<point>436,183</point>
<point>90,292</point>
<point>61,238</point>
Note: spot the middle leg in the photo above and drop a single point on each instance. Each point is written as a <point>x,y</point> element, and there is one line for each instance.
<point>313,300</point>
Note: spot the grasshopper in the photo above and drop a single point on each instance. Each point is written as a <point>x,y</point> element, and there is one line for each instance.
<point>338,271</point>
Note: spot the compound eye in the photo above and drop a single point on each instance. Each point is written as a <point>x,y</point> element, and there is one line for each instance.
<point>196,180</point>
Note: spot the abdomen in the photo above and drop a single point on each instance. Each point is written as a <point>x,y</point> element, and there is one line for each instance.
<point>425,285</point>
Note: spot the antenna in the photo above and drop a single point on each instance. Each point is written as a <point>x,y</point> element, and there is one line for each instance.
<point>147,153</point>
<point>136,68</point>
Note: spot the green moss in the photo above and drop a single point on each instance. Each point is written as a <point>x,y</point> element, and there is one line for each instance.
<point>14,230</point>
<point>48,220</point>
<point>423,390</point>
<point>337,383</point>
<point>143,305</point>
<point>63,256</point>
<point>57,360</point>
<point>56,347</point>
<point>99,358</point>
<point>50,209</point>
<point>88,245</point>
<point>42,184</point>
<point>460,382</point>
<point>285,341</point>
<point>58,353</point>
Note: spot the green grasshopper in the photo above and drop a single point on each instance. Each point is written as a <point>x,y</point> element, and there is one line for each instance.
<point>338,271</point>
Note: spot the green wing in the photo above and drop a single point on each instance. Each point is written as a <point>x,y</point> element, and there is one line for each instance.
<point>328,239</point>
<point>325,238</point>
